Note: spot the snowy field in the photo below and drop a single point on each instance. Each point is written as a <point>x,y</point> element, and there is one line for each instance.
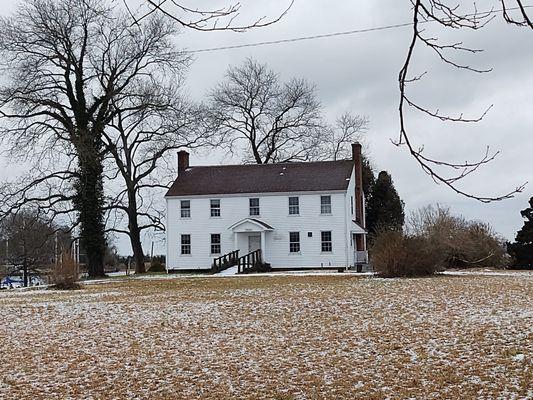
<point>272,337</point>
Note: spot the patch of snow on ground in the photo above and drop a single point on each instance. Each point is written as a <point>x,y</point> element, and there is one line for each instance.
<point>528,274</point>
<point>229,271</point>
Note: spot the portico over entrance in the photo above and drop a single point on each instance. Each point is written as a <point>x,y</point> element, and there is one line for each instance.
<point>249,235</point>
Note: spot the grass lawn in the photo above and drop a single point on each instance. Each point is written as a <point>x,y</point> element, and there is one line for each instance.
<point>281,337</point>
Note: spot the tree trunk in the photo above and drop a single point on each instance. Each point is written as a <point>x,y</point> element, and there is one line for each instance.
<point>135,238</point>
<point>89,203</point>
<point>138,253</point>
<point>25,273</point>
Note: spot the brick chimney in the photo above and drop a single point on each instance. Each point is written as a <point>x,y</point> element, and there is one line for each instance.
<point>359,203</point>
<point>183,161</point>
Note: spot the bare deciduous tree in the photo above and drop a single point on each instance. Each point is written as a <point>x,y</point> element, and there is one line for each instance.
<point>336,140</point>
<point>253,113</point>
<point>273,121</point>
<point>30,242</point>
<point>65,62</point>
<point>141,140</point>
<point>335,143</point>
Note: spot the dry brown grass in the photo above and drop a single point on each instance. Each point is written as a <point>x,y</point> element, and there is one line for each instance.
<point>310,337</point>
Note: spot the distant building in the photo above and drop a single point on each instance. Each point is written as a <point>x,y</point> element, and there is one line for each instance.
<point>299,215</point>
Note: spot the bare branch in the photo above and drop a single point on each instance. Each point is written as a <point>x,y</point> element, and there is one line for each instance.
<point>222,19</point>
<point>448,17</point>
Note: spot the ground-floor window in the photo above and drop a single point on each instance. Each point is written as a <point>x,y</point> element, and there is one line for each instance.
<point>327,243</point>
<point>294,242</point>
<point>215,243</point>
<point>185,244</point>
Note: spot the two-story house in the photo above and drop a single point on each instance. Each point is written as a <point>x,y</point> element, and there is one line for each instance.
<point>300,215</point>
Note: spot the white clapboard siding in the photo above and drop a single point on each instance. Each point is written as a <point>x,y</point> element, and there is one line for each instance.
<point>274,211</point>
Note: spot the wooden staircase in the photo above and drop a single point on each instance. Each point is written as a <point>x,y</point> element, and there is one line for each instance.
<point>252,262</point>
<point>224,262</point>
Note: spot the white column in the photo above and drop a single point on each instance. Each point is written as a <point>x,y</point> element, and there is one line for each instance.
<point>235,242</point>
<point>263,245</point>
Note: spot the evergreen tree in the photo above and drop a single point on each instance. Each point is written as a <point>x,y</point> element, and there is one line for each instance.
<point>368,177</point>
<point>384,209</point>
<point>522,249</point>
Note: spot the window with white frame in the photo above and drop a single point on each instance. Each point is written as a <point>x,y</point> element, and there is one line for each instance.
<point>254,206</point>
<point>351,198</point>
<point>185,207</point>
<point>215,208</point>
<point>186,244</point>
<point>327,244</point>
<point>325,204</point>
<point>294,242</point>
<point>215,243</point>
<point>294,205</point>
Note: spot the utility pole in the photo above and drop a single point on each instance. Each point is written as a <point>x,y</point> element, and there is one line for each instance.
<point>55,250</point>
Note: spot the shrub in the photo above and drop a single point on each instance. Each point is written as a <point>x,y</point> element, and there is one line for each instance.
<point>157,265</point>
<point>64,275</point>
<point>479,246</point>
<point>435,239</point>
<point>397,254</point>
<point>464,243</point>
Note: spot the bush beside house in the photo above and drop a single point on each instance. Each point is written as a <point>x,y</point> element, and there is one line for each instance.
<point>434,240</point>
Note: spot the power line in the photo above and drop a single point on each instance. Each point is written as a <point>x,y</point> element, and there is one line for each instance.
<point>299,39</point>
<point>344,33</point>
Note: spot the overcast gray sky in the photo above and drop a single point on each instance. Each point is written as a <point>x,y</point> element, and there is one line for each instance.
<point>358,73</point>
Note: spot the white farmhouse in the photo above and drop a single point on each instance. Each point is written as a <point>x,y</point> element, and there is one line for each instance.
<point>299,215</point>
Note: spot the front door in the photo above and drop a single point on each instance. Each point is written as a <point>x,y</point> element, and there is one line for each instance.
<point>254,243</point>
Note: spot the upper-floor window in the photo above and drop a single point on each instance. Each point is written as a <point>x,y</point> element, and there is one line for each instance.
<point>327,243</point>
<point>215,243</point>
<point>186,244</point>
<point>254,206</point>
<point>215,208</point>
<point>325,204</point>
<point>185,206</point>
<point>294,205</point>
<point>351,198</point>
<point>294,242</point>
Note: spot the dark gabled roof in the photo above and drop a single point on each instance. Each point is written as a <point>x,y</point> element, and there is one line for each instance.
<point>265,178</point>
<point>267,226</point>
